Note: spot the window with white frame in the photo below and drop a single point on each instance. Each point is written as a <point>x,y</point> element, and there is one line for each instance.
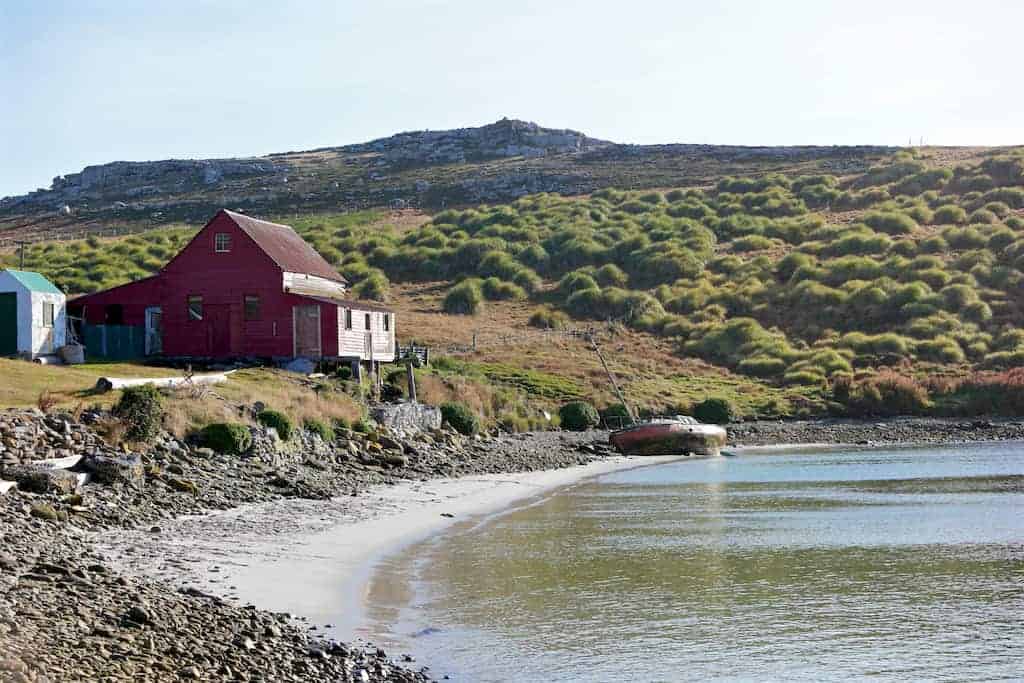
<point>48,314</point>
<point>222,242</point>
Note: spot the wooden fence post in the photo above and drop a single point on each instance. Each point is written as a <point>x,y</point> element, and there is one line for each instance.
<point>411,376</point>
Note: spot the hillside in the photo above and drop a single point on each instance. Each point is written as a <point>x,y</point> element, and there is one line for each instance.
<point>426,169</point>
<point>890,285</point>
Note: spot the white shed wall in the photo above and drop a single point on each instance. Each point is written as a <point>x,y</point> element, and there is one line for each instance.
<point>352,343</point>
<point>46,339</point>
<point>32,336</point>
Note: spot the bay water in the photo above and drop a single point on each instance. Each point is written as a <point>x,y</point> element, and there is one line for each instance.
<point>882,564</point>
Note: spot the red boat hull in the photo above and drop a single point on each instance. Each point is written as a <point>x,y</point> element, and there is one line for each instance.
<point>669,438</point>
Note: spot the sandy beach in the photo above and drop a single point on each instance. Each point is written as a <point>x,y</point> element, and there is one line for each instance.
<point>313,559</point>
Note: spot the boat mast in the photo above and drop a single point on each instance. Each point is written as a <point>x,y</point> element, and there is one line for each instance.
<point>611,376</point>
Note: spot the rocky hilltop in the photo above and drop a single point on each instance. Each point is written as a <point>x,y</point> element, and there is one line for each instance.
<point>502,139</point>
<point>429,169</point>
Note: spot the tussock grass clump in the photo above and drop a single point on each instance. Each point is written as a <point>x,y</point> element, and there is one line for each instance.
<point>578,416</point>
<point>320,428</point>
<point>460,417</point>
<point>278,421</point>
<point>141,409</point>
<point>549,319</point>
<point>465,298</point>
<point>496,290</point>
<point>714,411</point>
<point>890,222</point>
<point>226,437</point>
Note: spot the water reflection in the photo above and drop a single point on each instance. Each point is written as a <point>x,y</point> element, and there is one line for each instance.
<point>894,564</point>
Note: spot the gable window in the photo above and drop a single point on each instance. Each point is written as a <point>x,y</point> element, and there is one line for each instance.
<point>348,318</point>
<point>195,307</point>
<point>47,314</point>
<point>222,242</point>
<point>252,307</point>
<point>368,321</point>
<point>387,322</point>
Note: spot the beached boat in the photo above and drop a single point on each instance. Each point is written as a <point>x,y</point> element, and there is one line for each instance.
<point>669,436</point>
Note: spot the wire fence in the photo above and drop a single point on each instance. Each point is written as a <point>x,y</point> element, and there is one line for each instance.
<point>58,234</point>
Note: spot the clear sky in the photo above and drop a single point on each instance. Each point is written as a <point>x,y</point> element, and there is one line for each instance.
<point>85,82</point>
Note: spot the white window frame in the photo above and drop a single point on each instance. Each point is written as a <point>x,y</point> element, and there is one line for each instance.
<point>48,306</point>
<point>222,242</point>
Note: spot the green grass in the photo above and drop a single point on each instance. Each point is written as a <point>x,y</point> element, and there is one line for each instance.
<point>534,383</point>
<point>792,280</point>
<point>23,382</point>
<point>752,398</point>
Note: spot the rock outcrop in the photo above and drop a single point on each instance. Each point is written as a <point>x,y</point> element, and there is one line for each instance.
<point>502,139</point>
<point>129,181</point>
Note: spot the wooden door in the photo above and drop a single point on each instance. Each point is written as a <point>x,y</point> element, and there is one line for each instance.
<point>8,324</point>
<point>154,331</point>
<point>306,328</point>
<point>219,317</point>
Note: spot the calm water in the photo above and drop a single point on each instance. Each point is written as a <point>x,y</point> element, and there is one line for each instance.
<point>885,564</point>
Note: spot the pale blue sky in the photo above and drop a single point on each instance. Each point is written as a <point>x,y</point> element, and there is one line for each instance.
<point>87,82</point>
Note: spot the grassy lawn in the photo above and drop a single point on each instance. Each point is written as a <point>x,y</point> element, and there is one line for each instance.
<point>22,382</point>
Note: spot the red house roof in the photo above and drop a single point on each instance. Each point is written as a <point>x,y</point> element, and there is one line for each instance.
<point>284,246</point>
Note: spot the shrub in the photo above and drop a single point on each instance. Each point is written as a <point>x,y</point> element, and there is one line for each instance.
<point>465,298</point>
<point>279,421</point>
<point>933,245</point>
<point>714,411</point>
<point>497,290</point>
<point>805,377</point>
<point>762,366</point>
<point>460,417</point>
<point>890,222</point>
<point>226,437</point>
<point>964,238</point>
<point>1000,209</point>
<point>615,416</point>
<point>885,394</point>
<point>578,416</point>
<point>576,281</point>
<point>374,287</point>
<point>610,275</point>
<point>320,428</point>
<point>548,319</point>
<point>362,426</point>
<point>983,216</point>
<point>949,214</point>
<point>142,412</point>
<point>752,243</point>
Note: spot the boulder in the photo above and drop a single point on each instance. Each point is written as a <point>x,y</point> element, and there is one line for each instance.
<point>112,469</point>
<point>41,479</point>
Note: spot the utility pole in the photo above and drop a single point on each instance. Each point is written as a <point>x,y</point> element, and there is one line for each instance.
<point>21,248</point>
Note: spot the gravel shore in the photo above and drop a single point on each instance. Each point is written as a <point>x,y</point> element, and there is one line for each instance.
<point>901,431</point>
<point>68,614</point>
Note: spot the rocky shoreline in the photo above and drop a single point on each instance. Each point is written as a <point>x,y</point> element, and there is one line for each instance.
<point>68,614</point>
<point>906,431</point>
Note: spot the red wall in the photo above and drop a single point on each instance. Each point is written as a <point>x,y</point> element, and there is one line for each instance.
<point>222,279</point>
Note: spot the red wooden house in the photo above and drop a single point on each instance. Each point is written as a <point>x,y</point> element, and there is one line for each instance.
<point>241,288</point>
